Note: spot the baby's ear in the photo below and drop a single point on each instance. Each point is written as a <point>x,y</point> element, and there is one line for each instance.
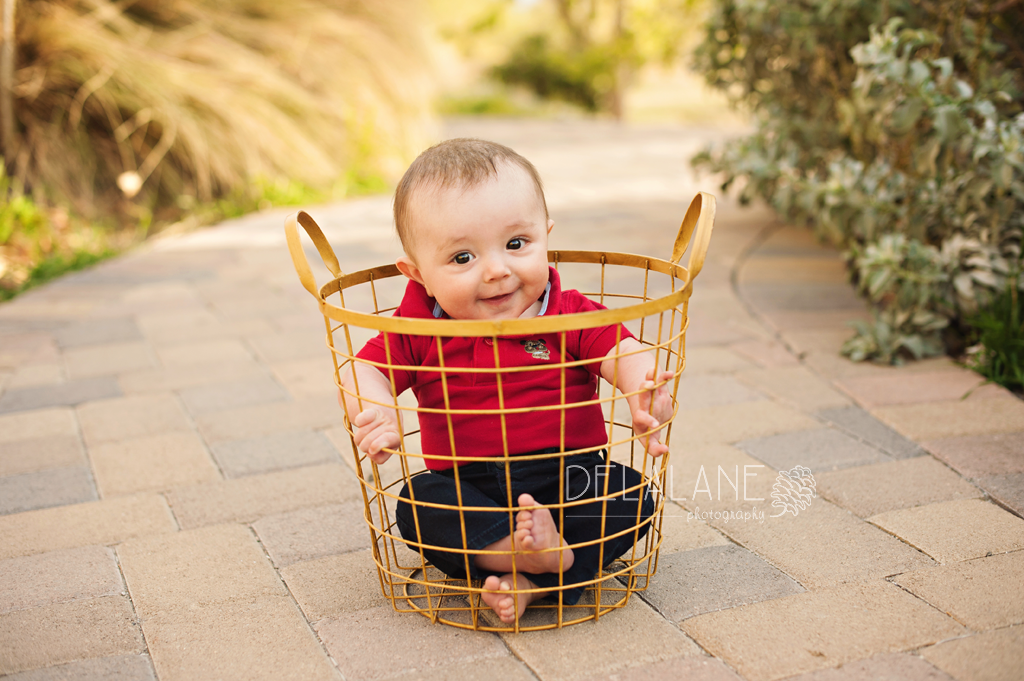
<point>407,267</point>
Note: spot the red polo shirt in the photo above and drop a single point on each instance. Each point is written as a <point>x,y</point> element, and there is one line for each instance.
<point>480,435</point>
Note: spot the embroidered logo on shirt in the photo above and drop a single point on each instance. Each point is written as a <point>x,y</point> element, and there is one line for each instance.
<point>536,348</point>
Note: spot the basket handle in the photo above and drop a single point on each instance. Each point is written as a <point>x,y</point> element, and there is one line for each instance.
<point>700,217</point>
<point>299,257</point>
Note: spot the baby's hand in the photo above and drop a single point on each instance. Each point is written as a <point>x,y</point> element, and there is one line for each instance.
<point>653,411</point>
<point>373,431</point>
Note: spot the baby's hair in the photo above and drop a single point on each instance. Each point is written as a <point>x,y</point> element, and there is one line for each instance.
<point>462,162</point>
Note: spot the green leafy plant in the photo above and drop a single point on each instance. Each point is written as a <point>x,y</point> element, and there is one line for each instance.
<point>884,120</point>
<point>999,330</point>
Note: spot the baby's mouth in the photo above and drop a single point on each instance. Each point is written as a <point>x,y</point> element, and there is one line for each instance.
<point>499,299</point>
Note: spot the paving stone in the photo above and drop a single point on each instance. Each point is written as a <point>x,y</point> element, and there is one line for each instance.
<point>863,426</point>
<point>58,577</point>
<point>43,489</point>
<point>231,394</point>
<point>952,531</point>
<point>195,569</point>
<point>833,365</point>
<point>314,532</point>
<point>129,418</point>
<point>680,533</point>
<point>58,634</point>
<point>822,296</point>
<point>985,593</point>
<point>710,359</point>
<point>768,354</point>
<point>1006,490</point>
<point>39,454</point>
<point>108,359</point>
<point>118,668</point>
<point>249,304</point>
<point>705,331</point>
<point>709,390</point>
<point>154,463</point>
<point>98,332</point>
<point>991,656</point>
<point>292,344</point>
<point>742,421</point>
<point>907,388</point>
<point>248,499</point>
<point>820,449</point>
<point>61,395</point>
<point>825,269</point>
<point>267,419</point>
<point>33,375</point>
<point>225,350</point>
<point>823,545</point>
<point>694,668</point>
<point>874,489</point>
<point>886,667</point>
<point>788,321</point>
<point>99,522</point>
<point>359,642</point>
<point>718,477</point>
<point>506,667</point>
<point>188,324</point>
<point>190,376</point>
<point>251,640</point>
<point>31,425</point>
<point>306,378</point>
<point>555,654</point>
<point>704,580</point>
<point>287,449</point>
<point>819,629</point>
<point>22,348</point>
<point>795,386</point>
<point>334,585</point>
<point>807,342</point>
<point>977,456</point>
<point>936,420</point>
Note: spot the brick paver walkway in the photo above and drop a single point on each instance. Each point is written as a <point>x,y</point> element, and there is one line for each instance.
<point>175,503</point>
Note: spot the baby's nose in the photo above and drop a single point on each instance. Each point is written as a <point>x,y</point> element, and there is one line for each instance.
<point>496,268</point>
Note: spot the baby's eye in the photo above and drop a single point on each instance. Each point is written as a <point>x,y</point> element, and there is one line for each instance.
<point>515,244</point>
<point>462,258</point>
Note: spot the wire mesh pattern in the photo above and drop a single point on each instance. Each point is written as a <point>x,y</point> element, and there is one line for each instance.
<point>647,296</point>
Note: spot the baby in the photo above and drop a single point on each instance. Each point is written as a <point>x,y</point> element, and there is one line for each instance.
<point>474,226</point>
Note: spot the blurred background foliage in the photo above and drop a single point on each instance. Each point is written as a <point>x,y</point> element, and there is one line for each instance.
<point>131,115</point>
<point>895,129</point>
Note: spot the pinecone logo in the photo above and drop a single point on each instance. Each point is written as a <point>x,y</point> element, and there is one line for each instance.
<point>793,491</point>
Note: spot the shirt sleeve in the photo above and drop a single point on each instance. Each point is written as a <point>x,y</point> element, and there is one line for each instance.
<point>376,350</point>
<point>597,342</point>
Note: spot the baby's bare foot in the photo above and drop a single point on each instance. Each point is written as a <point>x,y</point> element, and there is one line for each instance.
<point>533,538</point>
<point>498,596</point>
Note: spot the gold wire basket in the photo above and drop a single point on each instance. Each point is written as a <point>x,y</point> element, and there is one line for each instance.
<point>649,296</point>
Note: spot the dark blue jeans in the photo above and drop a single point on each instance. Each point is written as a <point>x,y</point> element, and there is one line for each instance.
<point>484,484</point>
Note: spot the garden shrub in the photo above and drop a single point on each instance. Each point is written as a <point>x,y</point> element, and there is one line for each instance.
<point>895,129</point>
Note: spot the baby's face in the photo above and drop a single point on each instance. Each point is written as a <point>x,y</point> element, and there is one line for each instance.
<point>481,251</point>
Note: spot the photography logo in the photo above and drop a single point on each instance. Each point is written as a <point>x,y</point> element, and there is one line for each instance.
<point>793,491</point>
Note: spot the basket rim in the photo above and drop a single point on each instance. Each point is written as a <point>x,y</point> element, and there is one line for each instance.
<point>512,327</point>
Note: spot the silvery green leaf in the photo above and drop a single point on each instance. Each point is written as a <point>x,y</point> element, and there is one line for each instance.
<point>986,278</point>
<point>915,344</point>
<point>963,89</point>
<point>906,115</point>
<point>962,284</point>
<point>945,66</point>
